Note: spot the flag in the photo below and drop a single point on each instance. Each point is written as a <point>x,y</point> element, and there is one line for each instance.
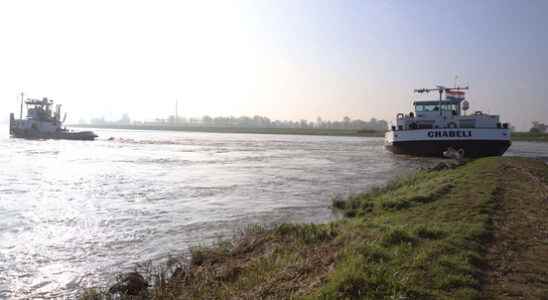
<point>454,95</point>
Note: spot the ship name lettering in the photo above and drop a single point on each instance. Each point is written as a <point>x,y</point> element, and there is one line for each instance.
<point>452,133</point>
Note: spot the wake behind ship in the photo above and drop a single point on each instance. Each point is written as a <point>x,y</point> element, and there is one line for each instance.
<point>437,125</point>
<point>42,123</point>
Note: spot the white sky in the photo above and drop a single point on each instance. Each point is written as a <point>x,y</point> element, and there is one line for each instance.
<point>281,59</point>
<point>111,57</point>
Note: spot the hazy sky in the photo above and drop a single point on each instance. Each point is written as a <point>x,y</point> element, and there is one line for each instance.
<point>283,59</point>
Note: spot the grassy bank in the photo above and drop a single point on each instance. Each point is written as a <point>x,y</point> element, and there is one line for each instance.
<point>531,137</point>
<point>292,131</point>
<point>477,231</point>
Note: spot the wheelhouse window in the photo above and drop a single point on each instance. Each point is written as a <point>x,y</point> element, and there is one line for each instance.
<point>421,108</point>
<point>449,107</point>
<point>428,108</point>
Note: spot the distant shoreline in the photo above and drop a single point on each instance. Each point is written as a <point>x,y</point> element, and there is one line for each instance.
<point>530,137</point>
<point>291,131</point>
<point>516,136</point>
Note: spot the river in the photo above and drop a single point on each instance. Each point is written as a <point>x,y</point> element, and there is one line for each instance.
<point>74,213</point>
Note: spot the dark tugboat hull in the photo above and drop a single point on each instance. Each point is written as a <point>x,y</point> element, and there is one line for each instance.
<point>472,148</point>
<point>30,134</point>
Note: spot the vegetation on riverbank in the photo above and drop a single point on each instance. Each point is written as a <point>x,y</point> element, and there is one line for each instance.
<point>530,136</point>
<point>477,231</point>
<point>291,131</point>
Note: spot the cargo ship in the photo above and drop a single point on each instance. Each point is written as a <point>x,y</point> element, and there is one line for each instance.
<point>436,126</point>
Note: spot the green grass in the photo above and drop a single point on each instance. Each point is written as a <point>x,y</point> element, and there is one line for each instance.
<point>428,230</point>
<point>420,237</point>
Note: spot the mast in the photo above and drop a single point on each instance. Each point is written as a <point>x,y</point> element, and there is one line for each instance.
<point>439,105</point>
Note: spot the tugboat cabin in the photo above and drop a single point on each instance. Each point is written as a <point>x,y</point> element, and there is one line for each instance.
<point>40,116</point>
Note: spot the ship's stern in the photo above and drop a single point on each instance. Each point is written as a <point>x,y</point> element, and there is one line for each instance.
<point>476,142</point>
<point>12,124</point>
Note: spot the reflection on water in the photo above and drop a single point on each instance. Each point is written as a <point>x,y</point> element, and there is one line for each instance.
<point>73,213</point>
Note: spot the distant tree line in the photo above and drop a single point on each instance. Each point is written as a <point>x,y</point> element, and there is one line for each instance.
<point>253,122</point>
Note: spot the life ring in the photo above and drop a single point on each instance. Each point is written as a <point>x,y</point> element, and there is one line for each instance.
<point>452,125</point>
<point>399,116</point>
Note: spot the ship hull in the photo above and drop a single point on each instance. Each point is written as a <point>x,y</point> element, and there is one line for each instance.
<point>433,142</point>
<point>476,148</point>
<point>63,135</point>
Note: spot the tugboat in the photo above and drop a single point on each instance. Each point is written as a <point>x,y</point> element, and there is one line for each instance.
<point>42,123</point>
<point>440,125</point>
